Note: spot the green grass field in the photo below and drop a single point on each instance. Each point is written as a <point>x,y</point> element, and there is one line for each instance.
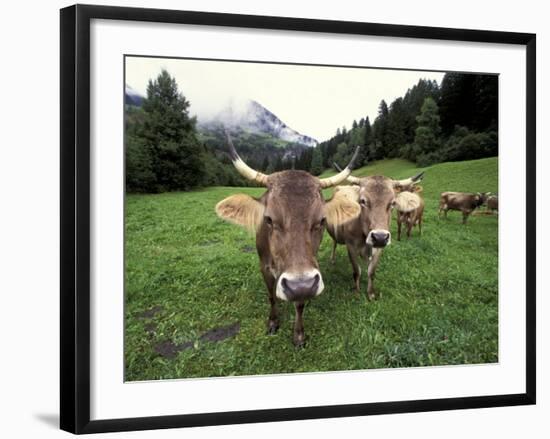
<point>196,304</point>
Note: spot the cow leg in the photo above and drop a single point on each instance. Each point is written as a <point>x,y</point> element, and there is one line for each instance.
<point>398,229</point>
<point>409,226</point>
<point>299,335</point>
<point>420,225</point>
<point>333,255</point>
<point>354,259</point>
<point>273,322</point>
<point>376,253</point>
<point>465,214</point>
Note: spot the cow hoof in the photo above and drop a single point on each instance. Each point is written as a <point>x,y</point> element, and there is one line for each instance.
<point>371,296</point>
<point>272,328</point>
<point>299,341</point>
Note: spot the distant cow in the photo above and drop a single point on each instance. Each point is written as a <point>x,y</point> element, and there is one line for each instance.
<point>410,210</point>
<point>368,233</point>
<point>492,203</point>
<point>463,201</point>
<point>289,221</point>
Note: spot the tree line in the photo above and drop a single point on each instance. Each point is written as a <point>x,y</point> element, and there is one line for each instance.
<point>429,124</point>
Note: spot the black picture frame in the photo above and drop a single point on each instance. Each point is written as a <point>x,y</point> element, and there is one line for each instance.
<point>75,217</point>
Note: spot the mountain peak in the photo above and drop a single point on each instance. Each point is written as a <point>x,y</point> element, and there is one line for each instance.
<point>252,116</point>
<point>132,97</point>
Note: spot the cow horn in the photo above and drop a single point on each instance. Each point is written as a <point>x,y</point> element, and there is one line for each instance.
<point>342,175</point>
<point>245,170</point>
<point>408,181</point>
<point>351,178</point>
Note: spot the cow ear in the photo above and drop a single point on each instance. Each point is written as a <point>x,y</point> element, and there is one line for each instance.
<point>349,191</point>
<point>418,189</point>
<point>340,210</point>
<point>242,210</point>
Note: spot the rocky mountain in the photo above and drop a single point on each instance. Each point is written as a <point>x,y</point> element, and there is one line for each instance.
<point>250,116</point>
<point>245,116</point>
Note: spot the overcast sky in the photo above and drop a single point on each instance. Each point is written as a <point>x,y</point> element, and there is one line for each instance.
<point>313,100</point>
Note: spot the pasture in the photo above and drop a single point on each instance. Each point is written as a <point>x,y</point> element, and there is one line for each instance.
<point>196,304</point>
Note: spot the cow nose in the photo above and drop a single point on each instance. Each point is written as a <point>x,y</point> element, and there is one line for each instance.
<point>300,288</point>
<point>380,238</point>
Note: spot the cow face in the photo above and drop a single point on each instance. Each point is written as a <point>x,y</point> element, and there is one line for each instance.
<point>482,198</point>
<point>289,220</point>
<point>377,199</point>
<point>293,224</point>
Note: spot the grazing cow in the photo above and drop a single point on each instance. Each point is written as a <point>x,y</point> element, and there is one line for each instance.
<point>289,221</point>
<point>492,203</point>
<point>410,210</point>
<point>369,232</point>
<point>463,201</point>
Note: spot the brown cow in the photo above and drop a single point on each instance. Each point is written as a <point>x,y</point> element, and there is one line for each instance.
<point>410,210</point>
<point>289,220</point>
<point>367,234</point>
<point>492,203</point>
<point>463,201</point>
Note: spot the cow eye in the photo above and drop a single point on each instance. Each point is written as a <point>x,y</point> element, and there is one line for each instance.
<point>363,202</point>
<point>269,221</point>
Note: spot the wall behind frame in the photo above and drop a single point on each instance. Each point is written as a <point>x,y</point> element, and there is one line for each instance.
<point>29,250</point>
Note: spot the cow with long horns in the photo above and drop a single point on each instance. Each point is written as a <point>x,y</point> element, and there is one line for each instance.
<point>368,233</point>
<point>289,221</point>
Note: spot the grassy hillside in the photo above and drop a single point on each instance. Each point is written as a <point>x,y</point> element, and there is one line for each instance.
<point>196,304</point>
<point>469,176</point>
<point>391,168</point>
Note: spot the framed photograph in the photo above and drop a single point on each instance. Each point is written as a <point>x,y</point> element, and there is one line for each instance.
<point>273,218</point>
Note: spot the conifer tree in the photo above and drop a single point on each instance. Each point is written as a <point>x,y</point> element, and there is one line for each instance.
<point>317,162</point>
<point>169,134</point>
<point>427,139</point>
